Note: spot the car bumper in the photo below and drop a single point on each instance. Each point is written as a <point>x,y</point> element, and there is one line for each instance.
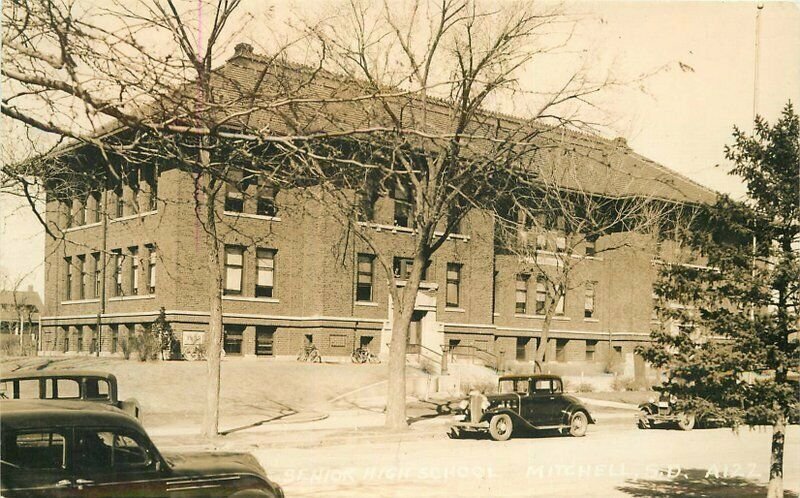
<point>471,426</point>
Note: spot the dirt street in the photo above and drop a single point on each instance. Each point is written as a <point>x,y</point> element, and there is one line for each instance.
<point>609,461</point>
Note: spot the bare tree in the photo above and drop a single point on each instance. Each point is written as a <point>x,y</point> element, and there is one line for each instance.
<point>435,149</point>
<point>578,207</point>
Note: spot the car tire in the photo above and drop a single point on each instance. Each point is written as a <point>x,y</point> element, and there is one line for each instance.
<point>686,421</point>
<point>644,421</point>
<point>501,427</point>
<point>252,493</point>
<point>578,424</point>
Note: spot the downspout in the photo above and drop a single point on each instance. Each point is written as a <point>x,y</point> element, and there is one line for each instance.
<point>102,304</point>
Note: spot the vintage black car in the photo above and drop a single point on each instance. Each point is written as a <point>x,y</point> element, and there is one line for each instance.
<point>662,412</point>
<point>83,385</point>
<point>75,449</point>
<point>524,402</point>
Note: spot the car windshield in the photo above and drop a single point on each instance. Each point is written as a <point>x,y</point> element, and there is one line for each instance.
<point>519,386</point>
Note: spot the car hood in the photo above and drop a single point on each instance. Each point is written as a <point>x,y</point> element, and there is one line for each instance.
<point>210,463</point>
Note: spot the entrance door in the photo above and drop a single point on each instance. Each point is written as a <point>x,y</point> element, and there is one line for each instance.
<point>415,328</point>
<point>264,341</point>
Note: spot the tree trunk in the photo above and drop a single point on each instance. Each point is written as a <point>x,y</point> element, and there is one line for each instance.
<point>775,487</point>
<point>541,351</point>
<point>396,400</point>
<point>214,345</point>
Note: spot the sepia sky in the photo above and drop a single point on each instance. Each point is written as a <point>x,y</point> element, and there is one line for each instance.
<point>700,60</point>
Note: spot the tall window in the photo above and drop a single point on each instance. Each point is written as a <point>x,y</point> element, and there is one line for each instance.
<point>453,285</point>
<point>591,350</point>
<point>134,252</point>
<point>561,350</point>
<point>119,202</point>
<point>366,263</point>
<point>521,294</point>
<point>84,282</point>
<point>588,305</point>
<point>265,200</point>
<point>591,247</point>
<point>98,274</point>
<point>541,294</point>
<point>402,205</point>
<point>401,267</point>
<point>522,348</point>
<point>234,264</point>
<point>119,259</point>
<point>265,272</point>
<point>68,280</point>
<point>152,258</point>
<point>365,205</point>
<point>69,207</point>
<point>233,339</point>
<point>97,204</point>
<point>561,303</point>
<point>83,213</point>
<point>234,199</point>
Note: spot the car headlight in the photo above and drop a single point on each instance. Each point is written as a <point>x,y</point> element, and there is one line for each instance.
<point>484,404</point>
<point>463,404</point>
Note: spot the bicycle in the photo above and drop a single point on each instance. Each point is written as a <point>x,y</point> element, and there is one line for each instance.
<point>364,355</point>
<point>310,354</point>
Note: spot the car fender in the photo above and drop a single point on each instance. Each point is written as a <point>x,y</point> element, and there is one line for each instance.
<point>515,417</point>
<point>650,407</point>
<point>573,408</point>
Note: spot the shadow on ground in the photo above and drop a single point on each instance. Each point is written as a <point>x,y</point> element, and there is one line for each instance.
<point>424,410</point>
<point>697,483</point>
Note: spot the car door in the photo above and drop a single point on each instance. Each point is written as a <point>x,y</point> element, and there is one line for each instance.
<point>541,405</point>
<point>111,462</point>
<point>34,463</point>
<point>558,403</point>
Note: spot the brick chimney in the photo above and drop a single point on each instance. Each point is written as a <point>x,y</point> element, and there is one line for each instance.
<point>243,50</point>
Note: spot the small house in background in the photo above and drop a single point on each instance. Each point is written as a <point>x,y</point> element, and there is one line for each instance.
<point>19,318</point>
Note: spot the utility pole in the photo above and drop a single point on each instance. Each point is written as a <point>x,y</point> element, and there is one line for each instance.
<point>757,49</point>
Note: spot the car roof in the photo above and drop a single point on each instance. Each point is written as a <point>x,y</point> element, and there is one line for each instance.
<point>531,376</point>
<point>39,374</point>
<point>33,414</point>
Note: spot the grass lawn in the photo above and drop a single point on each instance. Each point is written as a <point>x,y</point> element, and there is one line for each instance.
<point>173,392</point>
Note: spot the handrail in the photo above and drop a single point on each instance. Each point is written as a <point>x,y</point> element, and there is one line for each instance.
<point>489,359</point>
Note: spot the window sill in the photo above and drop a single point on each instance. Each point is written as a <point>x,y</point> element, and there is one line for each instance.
<point>251,215</point>
<point>251,299</point>
<point>396,228</point>
<point>81,227</point>
<point>541,317</point>
<point>134,297</point>
<point>81,301</point>
<point>422,285</point>
<point>456,310</point>
<point>591,320</point>
<point>132,216</point>
<point>367,303</point>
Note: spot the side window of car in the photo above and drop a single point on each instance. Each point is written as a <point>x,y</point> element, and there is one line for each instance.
<point>557,388</point>
<point>542,386</point>
<point>96,389</point>
<point>39,450</point>
<point>29,389</point>
<point>100,450</point>
<point>522,387</point>
<point>130,454</point>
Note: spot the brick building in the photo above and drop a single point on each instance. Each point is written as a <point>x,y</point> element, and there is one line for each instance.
<point>290,280</point>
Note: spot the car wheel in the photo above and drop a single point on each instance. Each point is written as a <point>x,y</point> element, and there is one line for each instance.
<point>252,493</point>
<point>578,424</point>
<point>644,421</point>
<point>500,427</point>
<point>685,421</point>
